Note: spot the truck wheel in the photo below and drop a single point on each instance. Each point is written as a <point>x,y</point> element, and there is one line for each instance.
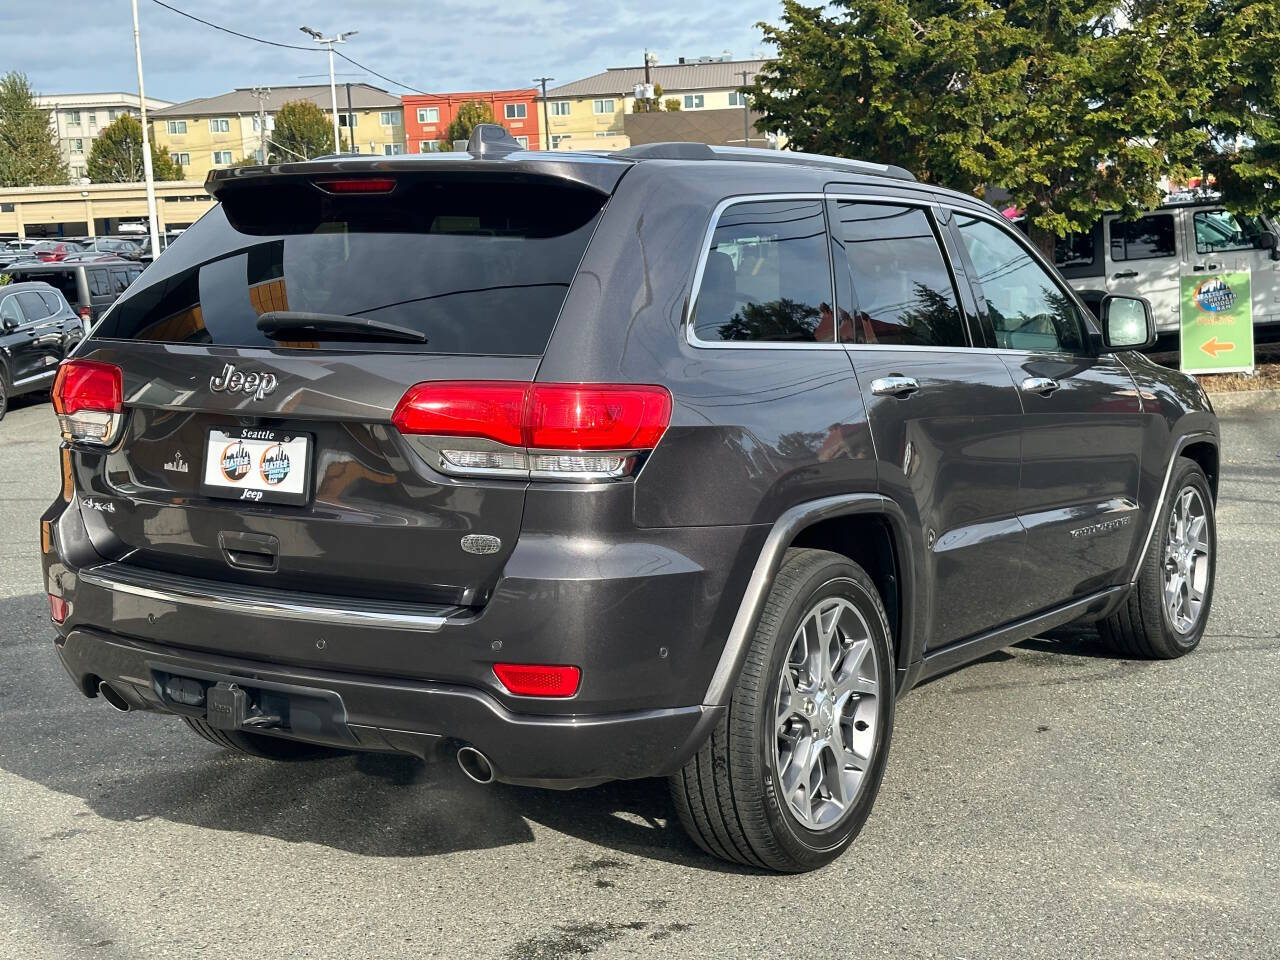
<point>258,744</point>
<point>1164,615</point>
<point>791,771</point>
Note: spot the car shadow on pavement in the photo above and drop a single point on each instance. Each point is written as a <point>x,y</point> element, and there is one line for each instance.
<point>138,766</point>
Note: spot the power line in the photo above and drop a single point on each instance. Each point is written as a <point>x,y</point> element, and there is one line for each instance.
<point>286,46</point>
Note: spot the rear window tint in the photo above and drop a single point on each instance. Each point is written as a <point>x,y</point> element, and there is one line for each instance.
<point>64,280</point>
<point>1148,238</point>
<point>99,285</point>
<point>478,267</point>
<point>51,301</point>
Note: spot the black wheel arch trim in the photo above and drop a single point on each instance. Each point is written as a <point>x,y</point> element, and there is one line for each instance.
<point>781,536</point>
<point>1181,443</point>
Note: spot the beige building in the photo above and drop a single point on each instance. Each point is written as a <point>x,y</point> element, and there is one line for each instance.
<point>78,118</point>
<point>212,132</point>
<point>588,114</point>
<point>94,209</point>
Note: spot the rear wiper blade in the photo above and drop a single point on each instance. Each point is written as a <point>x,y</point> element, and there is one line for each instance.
<point>276,324</point>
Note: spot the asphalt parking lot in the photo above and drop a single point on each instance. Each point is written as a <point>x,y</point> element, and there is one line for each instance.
<point>1049,801</point>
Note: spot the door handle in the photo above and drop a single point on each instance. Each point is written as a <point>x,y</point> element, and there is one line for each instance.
<point>1041,385</point>
<point>1124,275</point>
<point>895,385</point>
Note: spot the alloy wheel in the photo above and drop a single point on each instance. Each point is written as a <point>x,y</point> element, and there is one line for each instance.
<point>826,713</point>
<point>1186,560</point>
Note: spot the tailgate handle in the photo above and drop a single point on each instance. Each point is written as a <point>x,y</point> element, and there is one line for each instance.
<point>250,551</point>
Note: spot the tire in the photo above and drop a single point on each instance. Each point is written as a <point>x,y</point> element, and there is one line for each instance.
<point>1144,626</point>
<point>732,796</point>
<point>4,394</point>
<point>259,745</point>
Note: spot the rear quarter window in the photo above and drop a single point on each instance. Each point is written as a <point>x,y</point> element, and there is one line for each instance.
<point>478,267</point>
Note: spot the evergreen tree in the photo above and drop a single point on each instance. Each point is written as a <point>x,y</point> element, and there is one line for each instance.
<point>29,151</point>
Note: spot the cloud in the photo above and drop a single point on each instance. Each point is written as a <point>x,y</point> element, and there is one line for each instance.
<point>68,46</point>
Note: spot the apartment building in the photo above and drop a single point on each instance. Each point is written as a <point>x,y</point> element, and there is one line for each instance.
<point>588,114</point>
<point>211,132</point>
<point>78,118</point>
<point>427,116</point>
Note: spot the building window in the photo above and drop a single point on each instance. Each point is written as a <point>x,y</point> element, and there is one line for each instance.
<point>602,106</point>
<point>181,159</point>
<point>523,141</point>
<point>560,108</point>
<point>344,119</point>
<point>692,101</point>
<point>111,115</point>
<point>737,99</point>
<point>515,111</point>
<point>428,114</point>
<point>557,139</point>
<point>176,126</point>
<point>392,149</point>
<point>93,119</point>
<point>77,145</point>
<point>387,118</point>
<point>428,146</point>
<point>604,133</point>
<point>6,208</point>
<point>73,118</point>
<point>222,156</point>
<point>219,125</point>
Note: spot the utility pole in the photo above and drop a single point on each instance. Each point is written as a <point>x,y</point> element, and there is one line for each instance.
<point>546,123</point>
<point>147,172</point>
<point>260,94</point>
<point>319,37</point>
<point>351,120</point>
<point>746,111</point>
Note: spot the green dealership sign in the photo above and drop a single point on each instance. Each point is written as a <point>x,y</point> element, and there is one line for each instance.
<point>1217,323</point>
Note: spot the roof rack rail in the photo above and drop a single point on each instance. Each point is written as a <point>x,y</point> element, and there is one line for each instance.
<point>701,151</point>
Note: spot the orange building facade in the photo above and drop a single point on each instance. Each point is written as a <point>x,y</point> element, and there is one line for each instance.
<point>427,116</point>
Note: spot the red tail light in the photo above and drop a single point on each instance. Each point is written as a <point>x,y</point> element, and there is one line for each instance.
<point>537,680</point>
<point>88,398</point>
<point>509,425</point>
<point>58,609</point>
<point>85,313</point>
<point>358,185</point>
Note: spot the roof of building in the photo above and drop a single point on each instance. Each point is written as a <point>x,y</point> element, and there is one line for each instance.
<point>364,96</point>
<point>515,93</point>
<point>672,77</point>
<point>95,99</point>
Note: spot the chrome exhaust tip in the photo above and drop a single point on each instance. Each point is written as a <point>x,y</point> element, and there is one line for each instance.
<point>113,697</point>
<point>475,765</point>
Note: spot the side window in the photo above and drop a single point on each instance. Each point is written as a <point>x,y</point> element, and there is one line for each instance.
<point>1073,250</point>
<point>1220,230</point>
<point>119,281</point>
<point>1147,238</point>
<point>901,284</point>
<point>767,275</point>
<point>99,285</point>
<point>32,305</point>
<point>51,303</point>
<point>9,312</point>
<point>1027,307</point>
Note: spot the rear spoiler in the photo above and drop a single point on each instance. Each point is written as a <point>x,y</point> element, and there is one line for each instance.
<point>487,155</point>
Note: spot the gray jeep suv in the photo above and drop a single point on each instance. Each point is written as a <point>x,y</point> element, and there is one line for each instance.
<point>680,461</point>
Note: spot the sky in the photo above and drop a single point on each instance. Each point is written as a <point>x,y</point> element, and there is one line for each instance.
<point>79,46</point>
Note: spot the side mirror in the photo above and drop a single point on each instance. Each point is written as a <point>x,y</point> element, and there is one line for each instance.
<point>1127,323</point>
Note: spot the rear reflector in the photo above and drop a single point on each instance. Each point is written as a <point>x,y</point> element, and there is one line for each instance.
<point>510,424</point>
<point>536,680</point>
<point>88,398</point>
<point>58,609</point>
<point>358,185</point>
<point>85,313</point>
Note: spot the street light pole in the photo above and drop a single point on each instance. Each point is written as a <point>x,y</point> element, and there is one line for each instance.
<point>546,123</point>
<point>147,173</point>
<point>319,37</point>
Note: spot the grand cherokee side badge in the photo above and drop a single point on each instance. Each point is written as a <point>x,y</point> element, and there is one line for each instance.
<point>231,380</point>
<point>481,543</point>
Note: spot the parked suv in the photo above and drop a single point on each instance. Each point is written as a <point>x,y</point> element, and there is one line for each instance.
<point>90,285</point>
<point>681,461</point>
<point>38,329</point>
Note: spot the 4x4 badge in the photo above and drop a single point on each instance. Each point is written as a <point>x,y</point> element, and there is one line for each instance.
<point>231,380</point>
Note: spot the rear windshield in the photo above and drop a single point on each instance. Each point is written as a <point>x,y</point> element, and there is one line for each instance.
<point>64,280</point>
<point>474,266</point>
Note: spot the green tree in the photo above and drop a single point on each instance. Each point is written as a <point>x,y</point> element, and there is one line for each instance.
<point>116,155</point>
<point>29,152</point>
<point>1073,107</point>
<point>302,131</point>
<point>469,114</point>
<point>650,104</point>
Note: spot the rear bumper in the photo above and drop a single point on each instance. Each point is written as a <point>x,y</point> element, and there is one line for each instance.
<point>405,716</point>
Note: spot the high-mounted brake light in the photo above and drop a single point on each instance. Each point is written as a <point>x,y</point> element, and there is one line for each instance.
<point>563,431</point>
<point>538,680</point>
<point>357,185</point>
<point>88,398</point>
